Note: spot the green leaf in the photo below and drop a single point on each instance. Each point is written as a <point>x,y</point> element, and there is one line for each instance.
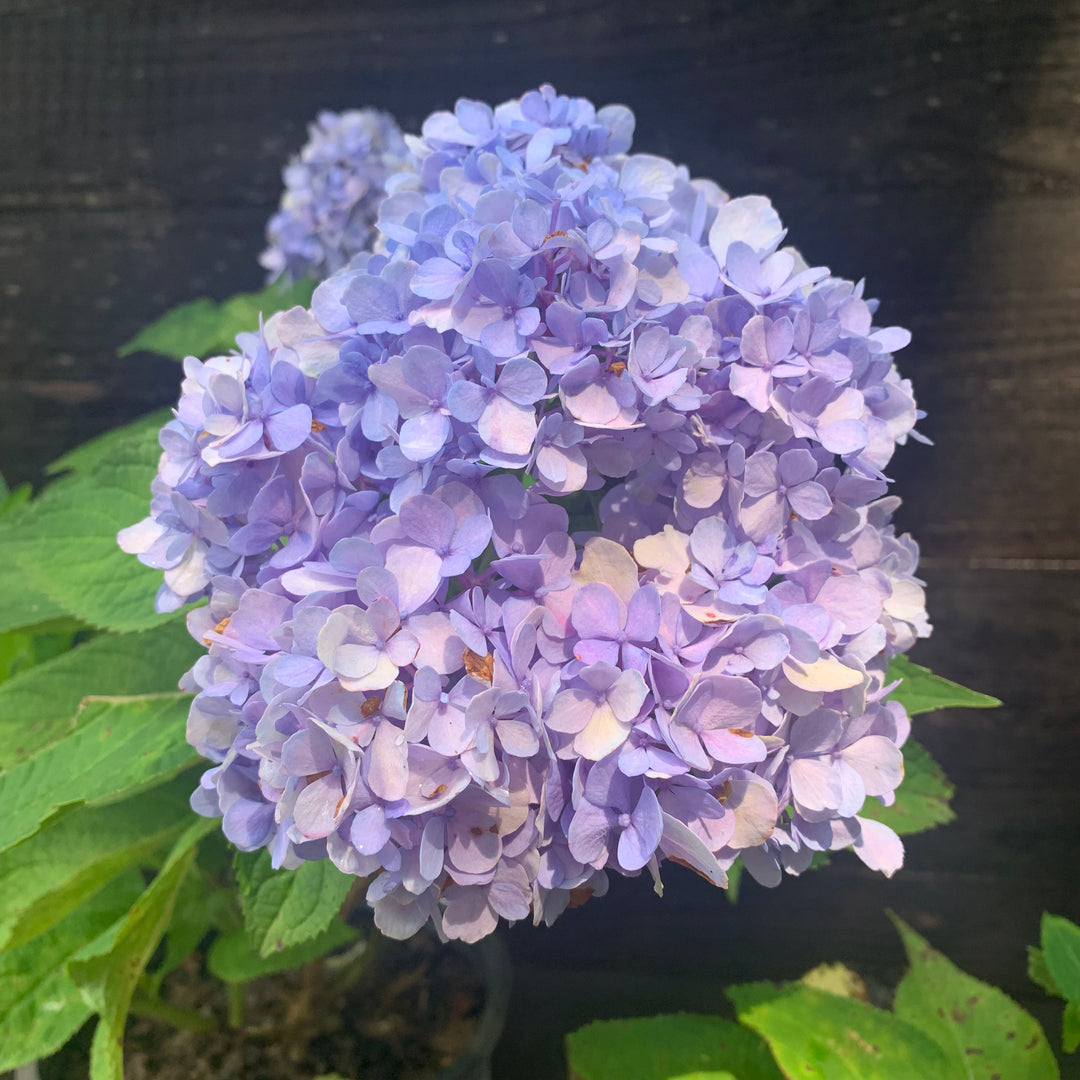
<point>22,602</point>
<point>21,650</point>
<point>815,1035</point>
<point>121,746</point>
<point>206,328</point>
<point>734,881</point>
<point>1039,973</point>
<point>232,958</point>
<point>286,907</point>
<point>40,1005</point>
<point>1070,1027</point>
<point>710,1075</point>
<point>922,799</point>
<point>1060,941</point>
<point>108,981</point>
<point>923,691</point>
<point>836,979</point>
<point>59,867</point>
<point>141,433</point>
<point>66,542</point>
<point>659,1047</point>
<point>39,706</point>
<point>984,1033</point>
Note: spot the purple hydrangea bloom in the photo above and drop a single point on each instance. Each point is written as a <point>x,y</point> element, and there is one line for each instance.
<point>552,541</point>
<point>333,189</point>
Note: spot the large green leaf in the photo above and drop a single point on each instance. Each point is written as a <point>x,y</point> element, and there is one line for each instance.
<point>922,799</point>
<point>142,434</point>
<point>286,907</point>
<point>207,328</point>
<point>22,602</point>
<point>21,650</point>
<point>232,958</point>
<point>1056,967</point>
<point>923,691</point>
<point>39,706</point>
<point>66,541</point>
<point>1061,949</point>
<point>984,1033</point>
<point>40,1005</point>
<point>815,1035</point>
<point>108,981</point>
<point>121,745</point>
<point>659,1047</point>
<point>57,869</point>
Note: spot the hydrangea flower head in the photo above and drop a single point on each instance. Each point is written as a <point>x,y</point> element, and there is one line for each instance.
<point>333,188</point>
<point>553,540</point>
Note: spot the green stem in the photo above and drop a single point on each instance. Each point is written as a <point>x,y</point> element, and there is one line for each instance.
<point>184,1019</point>
<point>236,1005</point>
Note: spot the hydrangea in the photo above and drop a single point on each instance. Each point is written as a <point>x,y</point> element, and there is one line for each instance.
<point>553,540</point>
<point>332,193</point>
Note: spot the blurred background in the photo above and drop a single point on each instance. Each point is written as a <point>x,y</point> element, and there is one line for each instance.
<point>932,147</point>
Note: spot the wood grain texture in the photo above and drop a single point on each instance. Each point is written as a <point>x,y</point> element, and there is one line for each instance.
<point>933,147</point>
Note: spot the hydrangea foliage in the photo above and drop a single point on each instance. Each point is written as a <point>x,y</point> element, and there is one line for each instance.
<point>554,538</point>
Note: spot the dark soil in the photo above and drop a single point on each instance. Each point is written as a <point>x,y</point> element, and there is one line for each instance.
<point>409,1015</point>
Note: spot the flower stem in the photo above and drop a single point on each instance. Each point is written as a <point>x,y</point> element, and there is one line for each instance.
<point>184,1019</point>
<point>236,1005</point>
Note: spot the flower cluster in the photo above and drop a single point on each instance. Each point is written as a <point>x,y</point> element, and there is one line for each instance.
<point>332,193</point>
<point>553,539</point>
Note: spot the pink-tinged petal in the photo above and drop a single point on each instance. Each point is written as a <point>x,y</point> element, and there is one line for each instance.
<point>387,763</point>
<point>815,784</point>
<point>878,761</point>
<point>448,732</point>
<point>571,711</point>
<point>517,738</point>
<point>402,648</point>
<point>604,733</point>
<point>733,746</point>
<point>879,847</point>
<point>753,802</point>
<point>851,601</point>
<point>318,807</point>
<point>596,612</point>
<point>468,916</point>
<point>507,427</point>
<point>418,572</point>
<point>440,645</point>
<point>597,651</point>
<point>510,899</point>
<point>588,835</point>
<point>627,695</point>
<point>680,842</point>
<point>822,675</point>
<point>752,384</point>
<point>474,850</point>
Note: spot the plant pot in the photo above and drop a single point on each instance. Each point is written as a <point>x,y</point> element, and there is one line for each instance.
<point>221,1054</point>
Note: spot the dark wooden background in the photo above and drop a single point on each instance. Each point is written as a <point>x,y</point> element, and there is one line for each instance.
<point>933,147</point>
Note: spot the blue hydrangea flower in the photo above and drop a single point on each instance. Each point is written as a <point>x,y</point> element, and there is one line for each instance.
<point>553,540</point>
